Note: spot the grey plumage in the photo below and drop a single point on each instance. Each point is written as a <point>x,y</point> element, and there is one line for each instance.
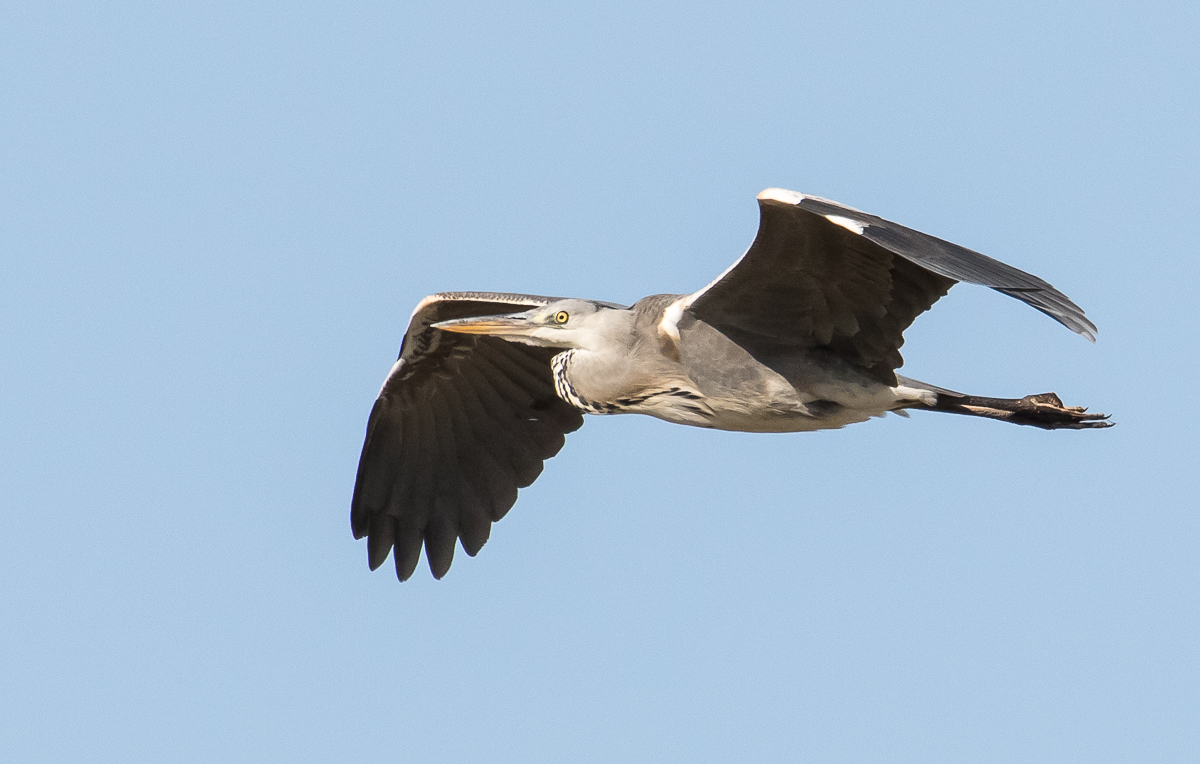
<point>802,333</point>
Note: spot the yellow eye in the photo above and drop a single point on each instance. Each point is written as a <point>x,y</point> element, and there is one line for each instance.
<point>561,317</point>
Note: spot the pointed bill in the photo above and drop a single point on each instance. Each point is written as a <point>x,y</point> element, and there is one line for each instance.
<point>508,325</point>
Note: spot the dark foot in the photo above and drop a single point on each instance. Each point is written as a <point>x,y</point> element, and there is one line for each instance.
<point>1045,410</point>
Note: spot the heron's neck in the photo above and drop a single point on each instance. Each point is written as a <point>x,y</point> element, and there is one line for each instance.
<point>593,375</point>
<point>563,366</point>
<point>608,378</point>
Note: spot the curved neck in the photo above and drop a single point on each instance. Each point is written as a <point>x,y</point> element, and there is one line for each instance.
<point>626,364</point>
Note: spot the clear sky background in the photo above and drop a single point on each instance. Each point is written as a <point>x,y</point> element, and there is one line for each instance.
<point>215,219</point>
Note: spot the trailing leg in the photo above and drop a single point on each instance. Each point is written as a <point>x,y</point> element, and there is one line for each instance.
<point>1045,410</point>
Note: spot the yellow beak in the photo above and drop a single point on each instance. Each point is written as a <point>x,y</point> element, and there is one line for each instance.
<point>517,323</point>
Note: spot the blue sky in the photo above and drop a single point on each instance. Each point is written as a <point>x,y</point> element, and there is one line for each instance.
<point>216,218</point>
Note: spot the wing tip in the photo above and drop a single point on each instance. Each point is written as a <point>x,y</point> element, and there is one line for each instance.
<point>1089,332</point>
<point>1056,305</point>
<point>1076,322</point>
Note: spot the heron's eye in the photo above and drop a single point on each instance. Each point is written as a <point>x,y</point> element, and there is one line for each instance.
<point>561,317</point>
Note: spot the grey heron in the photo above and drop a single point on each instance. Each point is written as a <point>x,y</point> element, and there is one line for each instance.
<point>801,333</point>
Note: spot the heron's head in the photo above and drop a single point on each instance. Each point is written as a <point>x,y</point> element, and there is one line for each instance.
<point>570,323</point>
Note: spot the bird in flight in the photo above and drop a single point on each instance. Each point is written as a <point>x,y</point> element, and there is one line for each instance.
<point>802,333</point>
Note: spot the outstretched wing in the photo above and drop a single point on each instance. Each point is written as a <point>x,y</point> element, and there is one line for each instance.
<point>461,423</point>
<point>820,274</point>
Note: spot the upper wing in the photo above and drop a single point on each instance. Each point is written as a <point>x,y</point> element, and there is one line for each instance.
<point>823,274</point>
<point>461,423</point>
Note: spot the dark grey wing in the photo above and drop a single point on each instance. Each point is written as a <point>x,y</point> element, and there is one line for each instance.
<point>461,423</point>
<point>959,263</point>
<point>820,274</point>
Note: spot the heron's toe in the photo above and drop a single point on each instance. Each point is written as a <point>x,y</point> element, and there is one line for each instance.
<point>1047,410</point>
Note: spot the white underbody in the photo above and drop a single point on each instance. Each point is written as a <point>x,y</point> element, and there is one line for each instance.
<point>795,415</point>
<point>767,402</point>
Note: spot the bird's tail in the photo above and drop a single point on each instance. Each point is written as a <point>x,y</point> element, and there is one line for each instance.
<point>1045,410</point>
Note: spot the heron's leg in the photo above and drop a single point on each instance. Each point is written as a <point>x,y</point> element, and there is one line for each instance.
<point>1045,410</point>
